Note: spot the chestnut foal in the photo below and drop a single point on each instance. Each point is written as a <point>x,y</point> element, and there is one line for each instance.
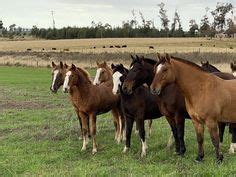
<point>90,100</point>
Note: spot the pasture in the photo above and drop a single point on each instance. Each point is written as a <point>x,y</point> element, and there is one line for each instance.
<point>39,135</point>
<point>82,51</point>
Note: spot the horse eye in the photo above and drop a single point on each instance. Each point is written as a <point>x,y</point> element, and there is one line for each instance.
<point>164,70</point>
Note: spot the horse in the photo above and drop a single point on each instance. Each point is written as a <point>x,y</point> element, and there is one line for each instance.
<point>232,127</point>
<point>139,106</point>
<point>171,102</point>
<point>90,100</point>
<point>208,98</point>
<point>58,77</point>
<point>233,68</point>
<point>104,75</point>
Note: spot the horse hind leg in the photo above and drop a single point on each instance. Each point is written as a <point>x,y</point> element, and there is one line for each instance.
<point>221,126</point>
<point>116,120</point>
<point>92,119</point>
<point>199,128</point>
<point>213,130</point>
<point>233,141</point>
<point>149,127</point>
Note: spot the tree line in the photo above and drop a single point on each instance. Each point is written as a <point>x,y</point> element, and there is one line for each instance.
<point>143,28</point>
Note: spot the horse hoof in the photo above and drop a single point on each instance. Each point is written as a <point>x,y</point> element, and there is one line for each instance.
<point>125,149</point>
<point>231,151</point>
<point>94,151</point>
<point>143,154</point>
<point>220,159</point>
<point>199,159</point>
<point>83,149</point>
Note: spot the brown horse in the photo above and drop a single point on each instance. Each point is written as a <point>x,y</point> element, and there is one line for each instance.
<point>209,99</point>
<point>104,76</point>
<point>90,100</point>
<point>58,77</point>
<point>233,68</point>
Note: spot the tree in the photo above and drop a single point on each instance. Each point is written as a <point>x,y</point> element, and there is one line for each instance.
<point>205,27</point>
<point>163,16</point>
<point>193,27</point>
<point>12,27</point>
<point>219,15</point>
<point>1,27</point>
<point>176,20</point>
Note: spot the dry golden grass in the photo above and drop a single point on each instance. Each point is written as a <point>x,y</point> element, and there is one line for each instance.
<point>81,50</point>
<point>135,45</point>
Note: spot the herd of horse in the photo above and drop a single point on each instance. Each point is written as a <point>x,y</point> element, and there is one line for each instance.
<point>167,87</point>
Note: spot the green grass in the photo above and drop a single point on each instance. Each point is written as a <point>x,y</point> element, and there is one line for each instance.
<point>39,135</point>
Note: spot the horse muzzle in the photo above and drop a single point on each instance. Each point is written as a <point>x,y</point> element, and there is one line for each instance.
<point>156,91</point>
<point>53,90</point>
<point>65,90</point>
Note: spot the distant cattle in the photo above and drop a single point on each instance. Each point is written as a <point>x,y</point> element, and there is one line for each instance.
<point>66,50</point>
<point>151,47</point>
<point>54,48</point>
<point>28,49</point>
<point>214,45</point>
<point>231,47</point>
<point>200,44</point>
<point>111,46</point>
<point>124,46</point>
<point>104,46</point>
<point>117,46</point>
<point>94,47</point>
<point>43,49</point>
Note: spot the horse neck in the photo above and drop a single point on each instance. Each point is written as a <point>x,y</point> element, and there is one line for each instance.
<point>150,75</point>
<point>190,80</point>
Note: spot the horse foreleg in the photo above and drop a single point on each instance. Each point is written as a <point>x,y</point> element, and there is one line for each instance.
<point>140,123</point>
<point>149,127</point>
<point>221,126</point>
<point>174,132</point>
<point>92,119</point>
<point>180,121</point>
<point>83,117</point>
<point>213,130</point>
<point>129,127</point>
<point>116,121</point>
<point>233,140</point>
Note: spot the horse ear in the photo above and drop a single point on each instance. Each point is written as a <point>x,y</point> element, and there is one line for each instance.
<point>132,57</point>
<point>122,65</point>
<point>97,63</point>
<point>137,57</point>
<point>53,64</point>
<point>65,66</point>
<point>112,66</point>
<point>231,65</point>
<point>207,62</point>
<point>73,67</point>
<point>105,63</point>
<point>61,65</point>
<point>158,56</point>
<point>167,57</point>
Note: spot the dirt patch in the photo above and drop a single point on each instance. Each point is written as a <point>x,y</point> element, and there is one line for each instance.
<point>10,104</point>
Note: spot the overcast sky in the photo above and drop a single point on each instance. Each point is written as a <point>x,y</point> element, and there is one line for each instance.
<point>27,13</point>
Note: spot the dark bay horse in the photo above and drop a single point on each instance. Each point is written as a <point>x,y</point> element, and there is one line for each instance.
<point>138,106</point>
<point>226,76</point>
<point>90,100</point>
<point>209,99</point>
<point>171,102</point>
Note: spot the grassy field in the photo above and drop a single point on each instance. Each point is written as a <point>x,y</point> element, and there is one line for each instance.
<point>39,136</point>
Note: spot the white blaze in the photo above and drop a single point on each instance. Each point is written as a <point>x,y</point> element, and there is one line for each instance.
<point>159,68</point>
<point>96,80</point>
<point>116,81</point>
<point>54,78</point>
<point>66,82</point>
